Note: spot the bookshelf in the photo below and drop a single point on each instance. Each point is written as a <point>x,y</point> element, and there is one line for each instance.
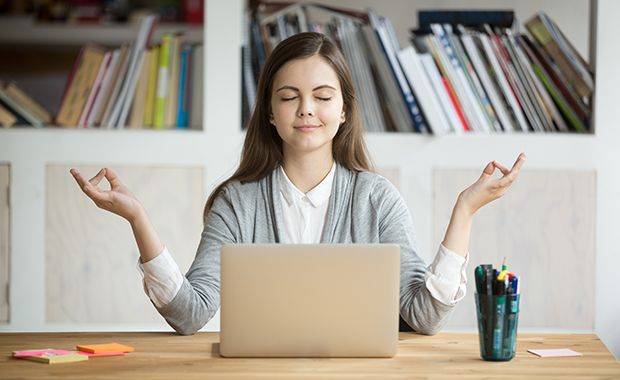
<point>416,158</point>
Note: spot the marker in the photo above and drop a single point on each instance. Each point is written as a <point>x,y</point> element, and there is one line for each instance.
<point>478,275</point>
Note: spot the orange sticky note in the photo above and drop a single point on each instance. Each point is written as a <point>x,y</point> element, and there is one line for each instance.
<point>105,348</point>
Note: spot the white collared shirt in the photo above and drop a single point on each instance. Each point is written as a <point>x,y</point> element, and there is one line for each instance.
<point>304,215</point>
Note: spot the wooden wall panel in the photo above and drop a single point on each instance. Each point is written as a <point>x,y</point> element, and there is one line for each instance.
<point>91,254</point>
<point>4,243</point>
<point>545,227</point>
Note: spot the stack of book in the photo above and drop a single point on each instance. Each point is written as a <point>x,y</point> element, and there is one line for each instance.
<point>466,71</point>
<point>136,85</point>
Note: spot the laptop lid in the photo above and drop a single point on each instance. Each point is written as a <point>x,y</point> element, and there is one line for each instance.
<point>317,300</point>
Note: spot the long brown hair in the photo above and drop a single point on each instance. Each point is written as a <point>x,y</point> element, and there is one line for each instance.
<point>262,149</point>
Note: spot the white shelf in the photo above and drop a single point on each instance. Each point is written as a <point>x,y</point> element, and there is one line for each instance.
<point>77,35</point>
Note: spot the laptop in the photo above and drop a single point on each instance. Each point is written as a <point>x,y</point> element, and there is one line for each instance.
<point>315,300</point>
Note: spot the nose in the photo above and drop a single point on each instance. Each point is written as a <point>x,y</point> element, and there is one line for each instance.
<point>307,112</point>
<point>305,109</point>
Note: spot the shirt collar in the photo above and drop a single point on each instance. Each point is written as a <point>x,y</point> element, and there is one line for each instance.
<point>317,196</point>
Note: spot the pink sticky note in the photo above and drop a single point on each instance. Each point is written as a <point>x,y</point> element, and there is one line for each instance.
<point>41,353</point>
<point>555,353</point>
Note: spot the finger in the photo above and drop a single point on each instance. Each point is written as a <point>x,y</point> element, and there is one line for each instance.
<point>488,170</point>
<point>97,178</point>
<point>514,171</point>
<point>112,178</point>
<point>502,168</point>
<point>91,191</point>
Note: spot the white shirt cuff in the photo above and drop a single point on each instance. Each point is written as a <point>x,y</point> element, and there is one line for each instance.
<point>161,278</point>
<point>445,278</point>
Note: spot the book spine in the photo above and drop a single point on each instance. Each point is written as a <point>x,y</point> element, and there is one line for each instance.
<point>151,91</point>
<point>162,82</point>
<point>183,85</point>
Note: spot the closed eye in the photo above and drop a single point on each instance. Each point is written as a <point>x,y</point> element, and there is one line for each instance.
<point>324,99</point>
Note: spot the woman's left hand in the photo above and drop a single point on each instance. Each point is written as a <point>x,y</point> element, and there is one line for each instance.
<point>487,189</point>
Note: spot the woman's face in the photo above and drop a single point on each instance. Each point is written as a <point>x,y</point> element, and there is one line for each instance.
<point>307,106</point>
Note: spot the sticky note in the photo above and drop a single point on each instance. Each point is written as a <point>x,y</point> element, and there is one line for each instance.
<point>90,354</point>
<point>555,353</point>
<point>105,348</point>
<point>50,356</point>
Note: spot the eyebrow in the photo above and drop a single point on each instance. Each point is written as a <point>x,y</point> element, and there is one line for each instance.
<point>314,89</point>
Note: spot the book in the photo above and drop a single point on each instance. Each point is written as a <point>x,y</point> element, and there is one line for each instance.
<point>21,97</point>
<point>92,96</point>
<point>472,78</point>
<point>196,99</point>
<point>356,55</point>
<point>184,86</point>
<point>172,98</point>
<point>403,86</point>
<point>103,89</point>
<point>6,118</point>
<point>547,101</point>
<point>493,92</point>
<point>533,101</point>
<point>138,104</point>
<point>19,111</point>
<point>499,76</point>
<point>455,87</point>
<point>81,81</point>
<point>112,86</point>
<point>122,105</point>
<point>431,70</point>
<point>576,103</point>
<point>554,92</point>
<point>161,94</point>
<point>152,88</point>
<point>496,17</point>
<point>395,113</point>
<point>473,109</point>
<point>545,33</point>
<point>414,71</point>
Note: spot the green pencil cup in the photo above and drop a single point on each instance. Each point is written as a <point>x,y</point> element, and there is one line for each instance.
<point>498,317</point>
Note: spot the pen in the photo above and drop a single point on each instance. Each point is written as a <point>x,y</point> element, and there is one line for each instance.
<point>478,274</point>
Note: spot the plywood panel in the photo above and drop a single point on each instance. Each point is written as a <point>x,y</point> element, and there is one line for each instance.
<point>545,227</point>
<point>4,243</point>
<point>91,254</point>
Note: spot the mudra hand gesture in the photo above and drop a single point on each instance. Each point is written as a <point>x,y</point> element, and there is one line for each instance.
<point>486,189</point>
<point>118,200</point>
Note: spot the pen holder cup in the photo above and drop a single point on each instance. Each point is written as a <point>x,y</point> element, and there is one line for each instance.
<point>498,317</point>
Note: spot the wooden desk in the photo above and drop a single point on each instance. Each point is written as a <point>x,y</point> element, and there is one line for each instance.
<point>162,355</point>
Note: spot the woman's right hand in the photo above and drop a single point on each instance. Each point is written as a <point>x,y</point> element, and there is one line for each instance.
<point>118,200</point>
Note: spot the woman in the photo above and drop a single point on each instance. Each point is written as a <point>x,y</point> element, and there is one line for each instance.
<point>304,177</point>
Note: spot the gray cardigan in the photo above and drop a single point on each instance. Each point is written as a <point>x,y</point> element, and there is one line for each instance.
<point>363,208</point>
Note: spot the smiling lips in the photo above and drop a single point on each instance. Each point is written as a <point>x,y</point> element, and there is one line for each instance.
<point>307,128</point>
